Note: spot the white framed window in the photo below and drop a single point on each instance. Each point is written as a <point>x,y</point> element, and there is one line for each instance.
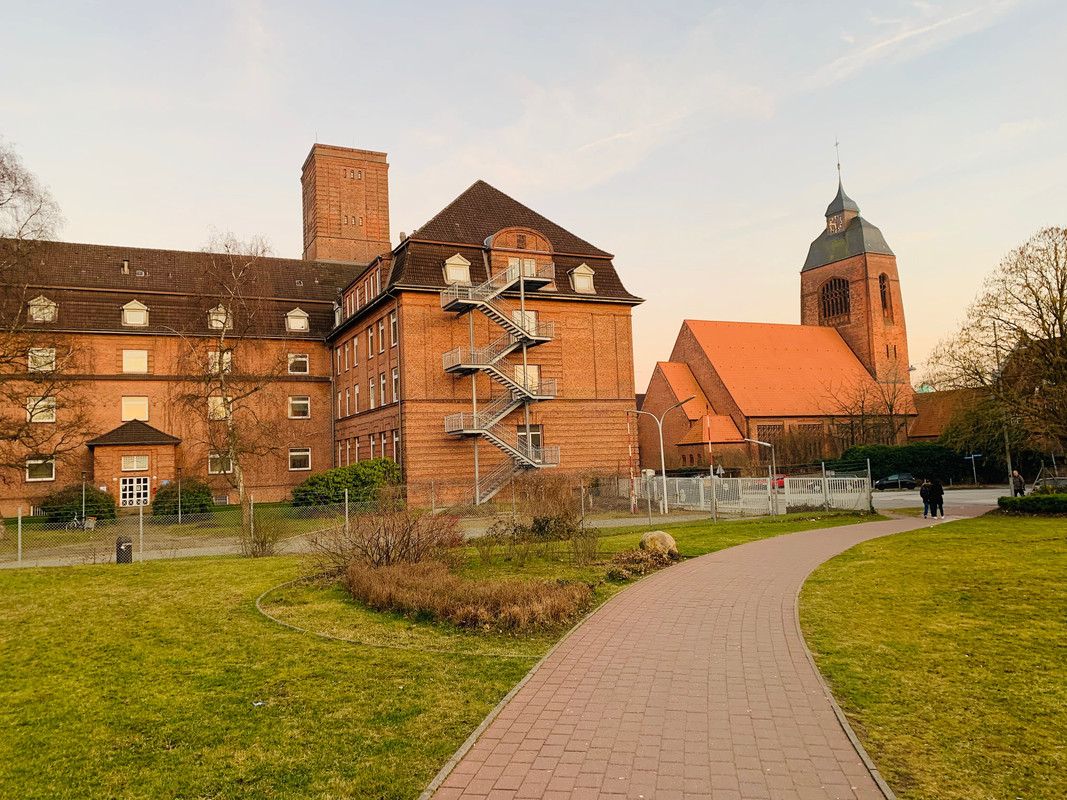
<point>338,405</point>
<point>359,174</point>
<point>582,279</point>
<point>394,330</point>
<point>348,407</point>
<point>381,384</point>
<point>371,437</point>
<point>135,361</point>
<point>134,463</point>
<point>377,273</point>
<point>41,359</point>
<point>348,451</point>
<point>216,408</point>
<point>42,309</point>
<point>297,321</point>
<point>337,360</point>
<point>396,446</point>
<point>219,318</point>
<point>396,384</point>
<point>41,468</point>
<point>299,459</point>
<point>299,364</point>
<point>219,362</point>
<point>529,267</point>
<point>299,407</point>
<point>219,464</point>
<point>383,443</point>
<point>381,336</point>
<point>135,314</point>
<point>457,269</point>
<point>346,356</point>
<point>355,351</point>
<point>528,376</point>
<point>372,394</point>
<point>356,440</point>
<point>526,320</point>
<point>41,409</point>
<point>338,454</point>
<point>355,399</point>
<point>134,408</point>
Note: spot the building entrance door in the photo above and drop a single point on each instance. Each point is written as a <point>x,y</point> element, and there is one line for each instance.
<point>133,492</point>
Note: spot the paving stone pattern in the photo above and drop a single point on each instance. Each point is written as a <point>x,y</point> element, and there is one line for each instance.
<point>693,683</point>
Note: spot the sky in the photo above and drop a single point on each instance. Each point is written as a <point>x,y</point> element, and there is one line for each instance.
<point>693,140</point>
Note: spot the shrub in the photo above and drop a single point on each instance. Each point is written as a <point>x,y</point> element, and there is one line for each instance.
<point>585,546</point>
<point>486,546</point>
<point>364,480</point>
<point>384,538</point>
<point>428,591</point>
<point>628,564</point>
<point>261,538</point>
<point>1052,504</point>
<point>196,498</point>
<point>921,459</point>
<point>64,504</point>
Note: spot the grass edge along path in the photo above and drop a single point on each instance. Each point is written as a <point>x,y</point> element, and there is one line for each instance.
<point>945,647</point>
<point>162,679</point>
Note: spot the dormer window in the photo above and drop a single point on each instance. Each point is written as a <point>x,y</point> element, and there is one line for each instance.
<point>43,310</point>
<point>219,318</point>
<point>297,321</point>
<point>582,279</point>
<point>135,315</point>
<point>457,269</point>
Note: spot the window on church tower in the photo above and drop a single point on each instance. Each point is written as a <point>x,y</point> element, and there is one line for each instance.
<point>887,298</point>
<point>834,299</point>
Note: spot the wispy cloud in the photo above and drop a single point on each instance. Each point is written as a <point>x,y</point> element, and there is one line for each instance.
<point>928,28</point>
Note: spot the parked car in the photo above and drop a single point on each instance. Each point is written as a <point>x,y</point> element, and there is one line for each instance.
<point>1050,481</point>
<point>779,482</point>
<point>901,480</point>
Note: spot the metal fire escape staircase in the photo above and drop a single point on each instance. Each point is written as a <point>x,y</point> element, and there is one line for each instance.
<point>520,333</point>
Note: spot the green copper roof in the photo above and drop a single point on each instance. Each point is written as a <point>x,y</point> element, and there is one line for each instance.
<point>841,203</point>
<point>858,237</point>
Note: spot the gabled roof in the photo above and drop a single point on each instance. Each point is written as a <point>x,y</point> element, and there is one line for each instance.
<point>774,370</point>
<point>684,384</point>
<point>858,237</point>
<point>712,429</point>
<point>133,432</point>
<point>483,210</point>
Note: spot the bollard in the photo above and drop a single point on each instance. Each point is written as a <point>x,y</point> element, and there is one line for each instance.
<point>124,550</point>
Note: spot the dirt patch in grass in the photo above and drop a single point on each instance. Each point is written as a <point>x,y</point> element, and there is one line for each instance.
<point>947,646</point>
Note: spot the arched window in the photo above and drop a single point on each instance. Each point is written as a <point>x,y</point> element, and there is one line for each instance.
<point>834,299</point>
<point>887,297</point>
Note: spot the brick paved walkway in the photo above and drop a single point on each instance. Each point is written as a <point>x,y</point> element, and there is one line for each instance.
<point>693,683</point>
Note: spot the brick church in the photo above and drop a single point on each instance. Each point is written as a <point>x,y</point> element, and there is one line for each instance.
<point>811,389</point>
<point>487,342</point>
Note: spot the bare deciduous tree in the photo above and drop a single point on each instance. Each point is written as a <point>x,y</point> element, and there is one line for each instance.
<point>870,412</point>
<point>1013,341</point>
<point>40,412</point>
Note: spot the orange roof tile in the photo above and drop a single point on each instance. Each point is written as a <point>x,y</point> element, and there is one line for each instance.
<point>722,429</point>
<point>684,384</point>
<point>775,370</point>
<point>936,409</point>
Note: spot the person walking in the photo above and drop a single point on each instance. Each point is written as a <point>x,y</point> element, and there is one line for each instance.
<point>1018,485</point>
<point>924,493</point>
<point>937,499</point>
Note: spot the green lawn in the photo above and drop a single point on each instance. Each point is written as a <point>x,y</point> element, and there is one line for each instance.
<point>947,648</point>
<point>162,680</point>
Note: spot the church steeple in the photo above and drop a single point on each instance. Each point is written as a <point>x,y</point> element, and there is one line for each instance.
<point>841,210</point>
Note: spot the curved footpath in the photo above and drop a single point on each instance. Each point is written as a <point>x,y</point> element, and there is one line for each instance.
<point>693,683</point>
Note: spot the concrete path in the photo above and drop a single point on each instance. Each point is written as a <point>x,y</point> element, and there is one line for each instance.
<point>693,683</point>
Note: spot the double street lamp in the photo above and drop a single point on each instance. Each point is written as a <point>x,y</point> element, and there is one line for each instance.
<point>662,461</point>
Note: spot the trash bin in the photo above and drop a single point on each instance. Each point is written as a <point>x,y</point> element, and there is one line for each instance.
<point>124,550</point>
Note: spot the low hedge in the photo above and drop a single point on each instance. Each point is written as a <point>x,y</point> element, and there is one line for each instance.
<point>1035,504</point>
<point>65,504</point>
<point>196,498</point>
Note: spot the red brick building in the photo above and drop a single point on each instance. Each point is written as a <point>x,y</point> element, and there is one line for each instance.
<point>489,341</point>
<point>840,374</point>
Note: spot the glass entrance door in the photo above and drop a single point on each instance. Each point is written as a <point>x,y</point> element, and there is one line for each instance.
<point>133,492</point>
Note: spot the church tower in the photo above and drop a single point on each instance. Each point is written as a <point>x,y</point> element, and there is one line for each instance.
<point>850,282</point>
<point>346,204</point>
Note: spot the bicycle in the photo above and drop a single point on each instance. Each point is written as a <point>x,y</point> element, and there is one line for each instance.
<point>75,524</point>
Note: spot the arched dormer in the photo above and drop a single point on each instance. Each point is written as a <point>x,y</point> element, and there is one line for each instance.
<point>519,248</point>
<point>834,301</point>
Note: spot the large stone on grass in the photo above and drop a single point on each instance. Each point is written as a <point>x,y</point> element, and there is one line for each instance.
<point>660,542</point>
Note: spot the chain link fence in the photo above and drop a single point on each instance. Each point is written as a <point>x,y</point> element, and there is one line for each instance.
<point>597,500</point>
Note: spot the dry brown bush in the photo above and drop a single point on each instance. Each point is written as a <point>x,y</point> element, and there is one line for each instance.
<point>428,590</point>
<point>384,538</point>
<point>629,564</point>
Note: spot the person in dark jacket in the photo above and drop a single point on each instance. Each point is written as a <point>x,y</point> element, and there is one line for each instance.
<point>1018,485</point>
<point>937,499</point>
<point>924,493</point>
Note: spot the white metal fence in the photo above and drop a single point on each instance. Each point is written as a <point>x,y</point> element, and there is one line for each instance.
<point>747,497</point>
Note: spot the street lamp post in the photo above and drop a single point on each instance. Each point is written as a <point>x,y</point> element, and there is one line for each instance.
<point>179,495</point>
<point>774,474</point>
<point>83,498</point>
<point>662,460</point>
<point>974,469</point>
